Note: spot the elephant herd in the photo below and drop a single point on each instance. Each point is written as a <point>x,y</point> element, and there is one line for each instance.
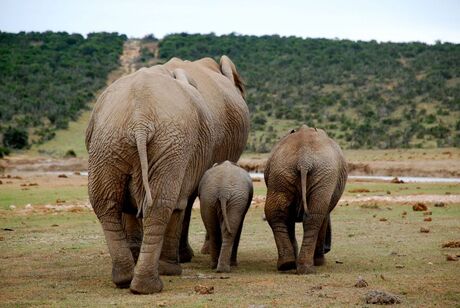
<point>162,136</point>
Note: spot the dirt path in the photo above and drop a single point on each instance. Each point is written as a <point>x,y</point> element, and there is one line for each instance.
<point>131,52</point>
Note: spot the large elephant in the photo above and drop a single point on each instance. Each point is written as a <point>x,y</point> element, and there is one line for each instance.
<point>225,193</point>
<point>151,136</point>
<point>305,176</point>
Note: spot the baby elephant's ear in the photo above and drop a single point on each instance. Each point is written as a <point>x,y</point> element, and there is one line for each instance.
<point>228,69</point>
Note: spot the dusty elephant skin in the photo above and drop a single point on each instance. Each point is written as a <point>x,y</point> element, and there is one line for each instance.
<point>151,137</point>
<point>225,194</point>
<point>305,176</point>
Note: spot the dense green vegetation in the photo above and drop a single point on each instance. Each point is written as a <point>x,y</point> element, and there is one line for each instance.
<point>365,94</point>
<point>47,79</point>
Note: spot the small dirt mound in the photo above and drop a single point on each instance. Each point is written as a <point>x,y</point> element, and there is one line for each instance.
<point>419,207</point>
<point>424,230</point>
<point>381,298</point>
<point>361,283</point>
<point>451,244</point>
<point>201,289</point>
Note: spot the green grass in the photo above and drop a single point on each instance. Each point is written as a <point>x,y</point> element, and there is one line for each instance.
<point>62,260</point>
<point>72,138</point>
<point>38,195</point>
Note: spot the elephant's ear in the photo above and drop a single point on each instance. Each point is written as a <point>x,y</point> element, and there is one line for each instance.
<point>228,69</point>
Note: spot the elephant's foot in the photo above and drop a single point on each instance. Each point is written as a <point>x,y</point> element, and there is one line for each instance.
<point>169,269</point>
<point>146,285</point>
<point>233,263</point>
<point>205,248</point>
<point>122,276</point>
<point>320,260</point>
<point>213,264</point>
<point>286,264</point>
<point>303,269</point>
<point>186,254</point>
<point>223,268</point>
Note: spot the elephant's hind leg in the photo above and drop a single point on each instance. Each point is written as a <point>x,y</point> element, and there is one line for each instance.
<point>319,258</point>
<point>108,210</point>
<point>277,214</point>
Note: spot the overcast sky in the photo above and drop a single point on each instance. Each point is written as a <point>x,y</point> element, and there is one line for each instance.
<point>382,20</point>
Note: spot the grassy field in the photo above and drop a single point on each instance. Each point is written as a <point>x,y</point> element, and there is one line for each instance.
<point>60,259</point>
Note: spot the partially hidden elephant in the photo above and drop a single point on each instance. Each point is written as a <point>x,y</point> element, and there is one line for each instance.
<point>305,176</point>
<point>151,137</point>
<point>225,193</point>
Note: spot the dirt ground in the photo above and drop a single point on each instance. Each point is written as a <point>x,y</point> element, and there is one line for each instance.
<point>53,252</point>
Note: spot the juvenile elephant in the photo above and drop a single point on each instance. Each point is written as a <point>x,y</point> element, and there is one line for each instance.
<point>305,177</point>
<point>225,193</point>
<point>151,137</point>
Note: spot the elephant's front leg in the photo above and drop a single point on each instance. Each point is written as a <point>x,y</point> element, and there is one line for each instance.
<point>276,212</point>
<point>185,251</point>
<point>169,259</point>
<point>146,273</point>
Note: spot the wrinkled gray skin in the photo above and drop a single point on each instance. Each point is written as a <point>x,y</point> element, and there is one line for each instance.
<point>151,137</point>
<point>225,194</point>
<point>305,176</point>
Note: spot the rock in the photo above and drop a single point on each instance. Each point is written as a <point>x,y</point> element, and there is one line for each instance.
<point>404,213</point>
<point>59,201</point>
<point>383,219</point>
<point>419,207</point>
<point>77,173</point>
<point>361,283</point>
<point>397,181</point>
<point>388,192</point>
<point>424,230</point>
<point>338,262</point>
<point>451,258</point>
<point>62,176</point>
<point>427,213</point>
<point>381,298</point>
<point>201,289</point>
<point>29,206</point>
<point>427,219</point>
<point>161,304</point>
<point>399,266</point>
<point>451,244</point>
<point>439,204</point>
<point>12,207</point>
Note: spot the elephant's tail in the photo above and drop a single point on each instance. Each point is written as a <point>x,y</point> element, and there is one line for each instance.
<point>303,182</point>
<point>223,205</point>
<point>141,142</point>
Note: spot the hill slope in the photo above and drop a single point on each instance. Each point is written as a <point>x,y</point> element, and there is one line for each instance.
<point>365,94</point>
<point>47,79</point>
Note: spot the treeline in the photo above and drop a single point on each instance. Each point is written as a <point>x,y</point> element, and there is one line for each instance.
<point>365,94</point>
<point>47,79</point>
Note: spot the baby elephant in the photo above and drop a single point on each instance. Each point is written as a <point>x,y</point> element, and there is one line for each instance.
<point>225,194</point>
<point>305,176</point>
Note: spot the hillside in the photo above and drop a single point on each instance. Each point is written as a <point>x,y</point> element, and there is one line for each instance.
<point>47,79</point>
<point>365,94</point>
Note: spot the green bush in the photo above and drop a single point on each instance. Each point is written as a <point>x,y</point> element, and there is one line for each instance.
<point>15,138</point>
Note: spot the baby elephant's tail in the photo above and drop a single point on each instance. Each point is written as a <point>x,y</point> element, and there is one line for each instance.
<point>223,206</point>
